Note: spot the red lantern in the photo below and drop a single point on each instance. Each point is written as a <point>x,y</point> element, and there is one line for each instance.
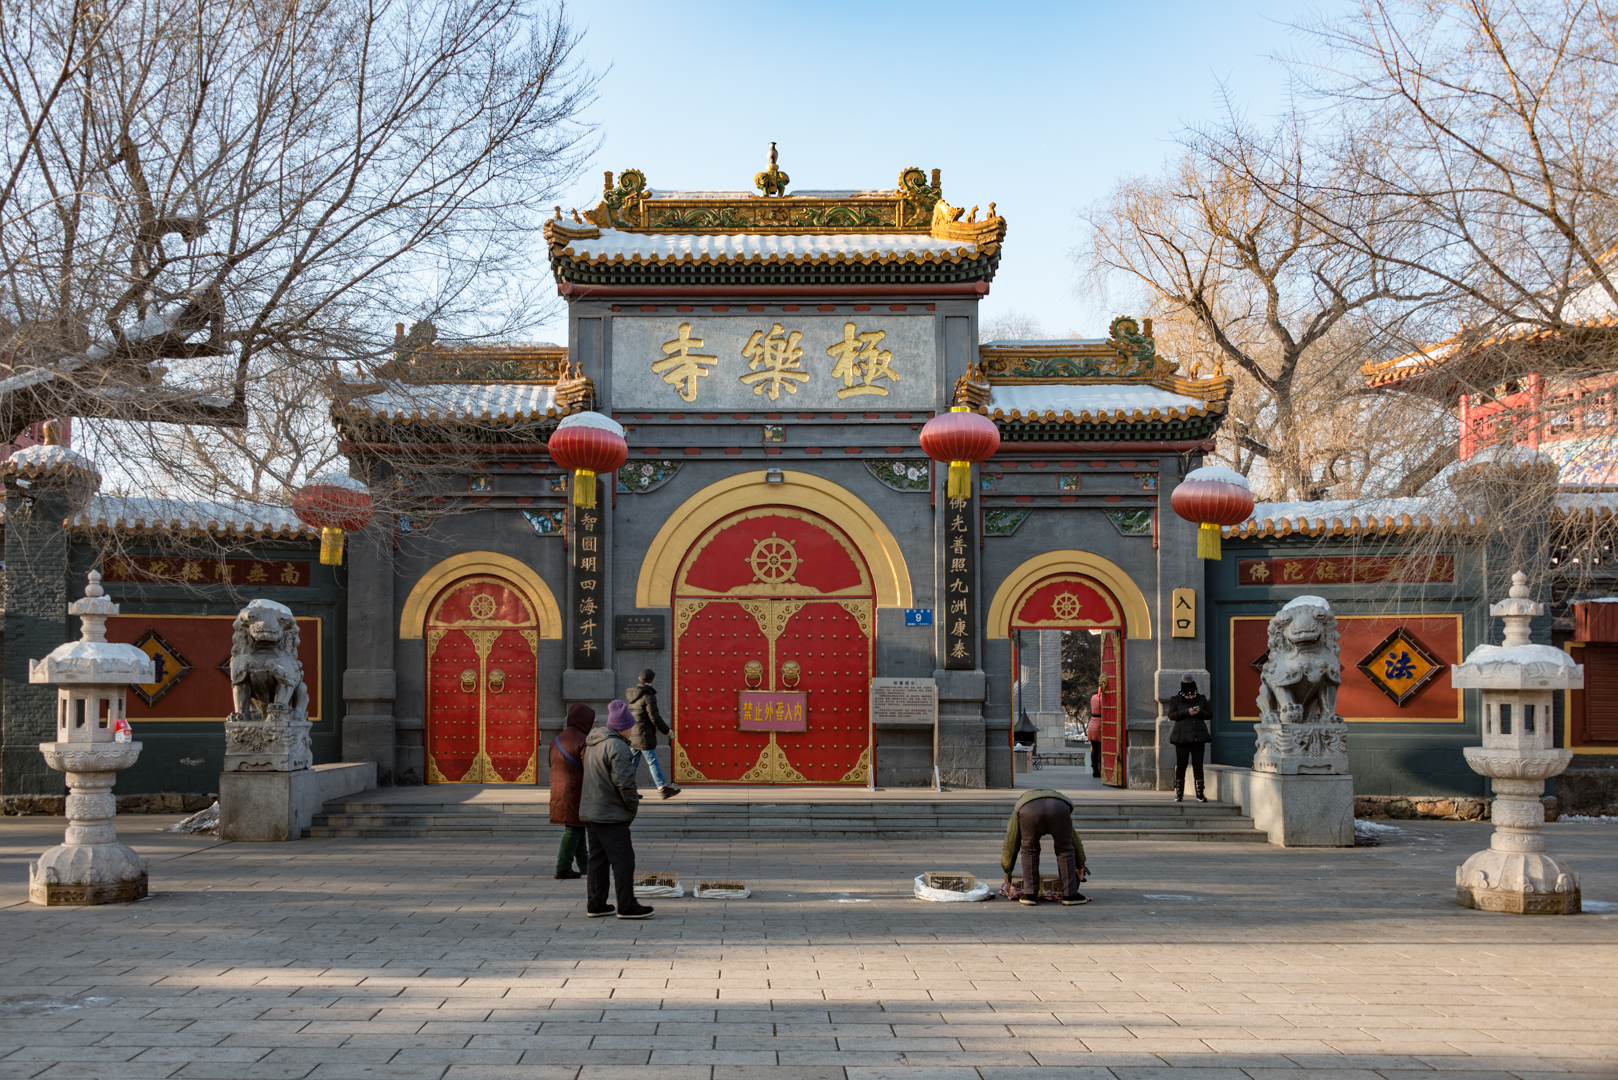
<point>960,437</point>
<point>588,443</point>
<point>333,503</point>
<point>1212,496</point>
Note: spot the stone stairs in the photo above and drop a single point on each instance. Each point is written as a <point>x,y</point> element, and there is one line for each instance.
<point>787,820</point>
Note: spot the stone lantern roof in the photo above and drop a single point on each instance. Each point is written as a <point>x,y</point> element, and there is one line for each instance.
<point>1517,664</point>
<point>92,659</point>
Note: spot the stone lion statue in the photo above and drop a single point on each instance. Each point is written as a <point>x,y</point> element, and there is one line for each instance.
<point>265,673</point>
<point>1300,679</point>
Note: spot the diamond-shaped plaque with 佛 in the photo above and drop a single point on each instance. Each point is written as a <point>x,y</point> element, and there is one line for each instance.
<point>1401,666</point>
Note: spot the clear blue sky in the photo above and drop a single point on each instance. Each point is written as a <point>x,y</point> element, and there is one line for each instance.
<point>1039,108</point>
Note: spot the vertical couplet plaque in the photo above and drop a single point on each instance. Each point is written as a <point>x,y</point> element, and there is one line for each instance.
<point>960,602</point>
<point>589,619</point>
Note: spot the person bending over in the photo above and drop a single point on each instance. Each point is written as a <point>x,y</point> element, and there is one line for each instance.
<point>1043,812</point>
<point>642,701</point>
<point>607,806</point>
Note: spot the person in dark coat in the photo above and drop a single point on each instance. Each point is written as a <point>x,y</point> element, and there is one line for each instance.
<point>1192,714</point>
<point>1043,812</point>
<point>607,805</point>
<point>642,701</point>
<point>567,781</point>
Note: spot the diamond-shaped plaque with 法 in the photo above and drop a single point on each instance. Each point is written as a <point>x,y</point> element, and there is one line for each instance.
<point>167,662</point>
<point>1401,666</point>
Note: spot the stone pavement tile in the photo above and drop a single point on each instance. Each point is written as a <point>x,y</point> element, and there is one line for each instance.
<point>427,1055</point>
<point>214,1070</point>
<point>349,1070</point>
<point>713,1057</point>
<point>775,1043</point>
<point>940,1072</point>
<point>581,1056</point>
<point>1359,1060</point>
<point>162,1038</point>
<point>1257,1073</point>
<point>653,1042</point>
<point>80,1070</point>
<point>322,1055</point>
<point>632,1072</point>
<point>1167,1072</point>
<point>71,1053</point>
<point>778,1072</point>
<point>1467,1074</point>
<point>849,1058</point>
<point>1289,1047</point>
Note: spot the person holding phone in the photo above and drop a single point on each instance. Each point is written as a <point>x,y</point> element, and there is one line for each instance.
<point>1191,712</point>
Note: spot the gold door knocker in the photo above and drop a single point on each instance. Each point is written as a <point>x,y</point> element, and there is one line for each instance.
<point>497,680</point>
<point>469,680</point>
<point>753,672</point>
<point>790,671</point>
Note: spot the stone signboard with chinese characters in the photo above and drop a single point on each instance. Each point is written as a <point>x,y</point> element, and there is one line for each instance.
<point>1344,570</point>
<point>167,570</point>
<point>588,595</point>
<point>904,701</point>
<point>774,360</point>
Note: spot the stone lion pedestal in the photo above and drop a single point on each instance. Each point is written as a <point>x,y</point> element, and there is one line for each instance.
<point>271,789</point>
<point>1302,794</point>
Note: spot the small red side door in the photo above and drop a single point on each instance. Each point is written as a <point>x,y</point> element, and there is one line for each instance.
<point>1114,737</point>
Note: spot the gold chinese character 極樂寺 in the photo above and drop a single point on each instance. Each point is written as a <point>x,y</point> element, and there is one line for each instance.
<point>774,362</point>
<point>683,367</point>
<point>858,358</point>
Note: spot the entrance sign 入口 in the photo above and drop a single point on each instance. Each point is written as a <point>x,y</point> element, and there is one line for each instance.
<point>1184,622</point>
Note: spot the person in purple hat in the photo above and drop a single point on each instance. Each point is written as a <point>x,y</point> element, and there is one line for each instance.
<point>607,806</point>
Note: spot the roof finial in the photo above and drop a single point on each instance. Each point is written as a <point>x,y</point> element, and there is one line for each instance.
<point>772,181</point>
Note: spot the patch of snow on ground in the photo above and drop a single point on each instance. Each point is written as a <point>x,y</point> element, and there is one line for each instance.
<point>1374,828</point>
<point>1601,819</point>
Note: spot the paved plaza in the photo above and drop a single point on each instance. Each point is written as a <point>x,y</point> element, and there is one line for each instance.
<point>444,958</point>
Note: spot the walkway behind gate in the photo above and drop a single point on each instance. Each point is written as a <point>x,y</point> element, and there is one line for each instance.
<point>762,812</point>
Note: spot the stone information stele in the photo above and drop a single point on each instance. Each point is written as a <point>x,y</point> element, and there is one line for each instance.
<point>644,633</point>
<point>904,701</point>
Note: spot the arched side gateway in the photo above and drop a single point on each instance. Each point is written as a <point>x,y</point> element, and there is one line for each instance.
<point>774,622</point>
<point>482,636</point>
<point>1075,602</point>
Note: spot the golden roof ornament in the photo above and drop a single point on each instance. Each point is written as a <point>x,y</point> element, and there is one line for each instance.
<point>772,181</point>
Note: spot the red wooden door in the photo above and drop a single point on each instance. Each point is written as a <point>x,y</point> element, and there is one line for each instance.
<point>777,600</point>
<point>482,685</point>
<point>1114,736</point>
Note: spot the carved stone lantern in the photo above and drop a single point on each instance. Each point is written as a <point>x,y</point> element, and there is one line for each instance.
<point>1517,680</point>
<point>90,866</point>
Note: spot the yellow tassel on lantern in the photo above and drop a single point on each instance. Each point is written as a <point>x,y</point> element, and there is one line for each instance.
<point>959,484</point>
<point>331,546</point>
<point>584,488</point>
<point>1208,541</point>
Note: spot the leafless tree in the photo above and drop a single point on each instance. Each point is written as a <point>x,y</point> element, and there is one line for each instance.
<point>204,203</point>
<point>1227,248</point>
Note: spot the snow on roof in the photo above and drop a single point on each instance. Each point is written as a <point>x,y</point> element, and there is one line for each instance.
<point>188,516</point>
<point>34,461</point>
<point>1106,403</point>
<point>1041,343</point>
<point>1350,516</point>
<point>616,246</point>
<point>404,402</point>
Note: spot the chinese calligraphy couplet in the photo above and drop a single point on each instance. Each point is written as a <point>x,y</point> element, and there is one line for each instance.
<point>588,595</point>
<point>960,617</point>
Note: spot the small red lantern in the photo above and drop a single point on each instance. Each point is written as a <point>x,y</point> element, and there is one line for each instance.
<point>1212,496</point>
<point>588,443</point>
<point>960,437</point>
<point>333,503</point>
